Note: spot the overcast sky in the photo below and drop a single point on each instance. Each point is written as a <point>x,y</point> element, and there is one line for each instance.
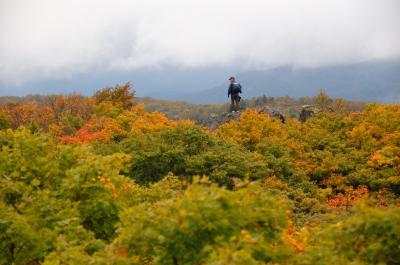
<point>47,39</point>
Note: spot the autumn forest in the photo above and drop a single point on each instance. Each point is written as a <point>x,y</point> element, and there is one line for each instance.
<point>106,180</point>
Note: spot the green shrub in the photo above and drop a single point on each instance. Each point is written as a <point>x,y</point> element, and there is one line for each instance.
<point>369,236</point>
<point>192,228</point>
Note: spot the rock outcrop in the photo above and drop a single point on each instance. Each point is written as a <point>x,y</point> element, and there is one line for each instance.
<point>215,120</point>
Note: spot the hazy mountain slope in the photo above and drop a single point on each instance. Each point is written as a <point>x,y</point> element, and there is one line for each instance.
<point>369,81</point>
<point>364,82</point>
<point>166,83</point>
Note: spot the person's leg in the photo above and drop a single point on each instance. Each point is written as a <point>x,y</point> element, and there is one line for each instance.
<point>238,102</point>
<point>233,97</point>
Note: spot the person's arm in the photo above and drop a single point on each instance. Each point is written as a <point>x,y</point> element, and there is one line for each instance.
<point>229,90</point>
<point>240,88</point>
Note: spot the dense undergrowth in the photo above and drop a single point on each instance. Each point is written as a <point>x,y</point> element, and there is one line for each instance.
<point>99,180</point>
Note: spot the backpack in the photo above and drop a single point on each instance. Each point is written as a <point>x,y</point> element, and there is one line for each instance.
<point>236,88</point>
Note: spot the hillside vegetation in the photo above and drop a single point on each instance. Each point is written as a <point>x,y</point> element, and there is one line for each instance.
<point>201,113</point>
<point>99,180</point>
<point>287,105</point>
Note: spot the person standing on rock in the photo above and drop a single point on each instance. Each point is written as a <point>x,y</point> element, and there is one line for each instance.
<point>234,90</point>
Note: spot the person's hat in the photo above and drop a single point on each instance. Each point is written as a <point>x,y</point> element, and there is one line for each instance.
<point>231,78</point>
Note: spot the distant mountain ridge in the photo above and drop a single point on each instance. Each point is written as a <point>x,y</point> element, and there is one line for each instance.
<point>371,81</point>
<point>367,81</point>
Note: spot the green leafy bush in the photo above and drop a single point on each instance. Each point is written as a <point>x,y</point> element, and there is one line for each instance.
<point>369,236</point>
<point>192,228</point>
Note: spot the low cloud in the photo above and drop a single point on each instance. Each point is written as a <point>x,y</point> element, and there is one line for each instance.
<point>50,39</point>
